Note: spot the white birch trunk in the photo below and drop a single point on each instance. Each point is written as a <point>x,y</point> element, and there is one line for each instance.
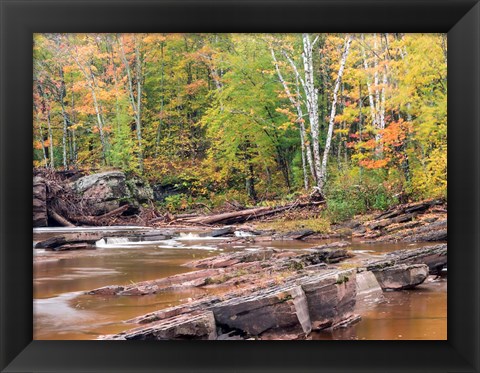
<point>50,140</point>
<point>376,84</point>
<point>369,87</point>
<point>323,173</point>
<point>312,103</point>
<point>139,105</point>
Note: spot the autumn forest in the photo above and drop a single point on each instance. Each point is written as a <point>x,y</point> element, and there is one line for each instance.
<point>255,118</point>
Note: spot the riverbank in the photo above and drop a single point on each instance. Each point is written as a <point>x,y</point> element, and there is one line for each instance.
<point>275,274</point>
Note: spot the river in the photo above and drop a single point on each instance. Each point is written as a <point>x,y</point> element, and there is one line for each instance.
<point>63,312</point>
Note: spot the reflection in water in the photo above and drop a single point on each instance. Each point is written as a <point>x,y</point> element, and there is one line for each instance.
<point>404,315</point>
<point>63,311</point>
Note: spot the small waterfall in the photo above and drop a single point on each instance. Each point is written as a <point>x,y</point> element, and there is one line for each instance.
<point>117,240</point>
<point>243,234</point>
<point>189,236</point>
<point>112,241</point>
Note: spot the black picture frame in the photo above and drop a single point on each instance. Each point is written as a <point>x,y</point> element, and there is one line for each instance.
<point>20,19</point>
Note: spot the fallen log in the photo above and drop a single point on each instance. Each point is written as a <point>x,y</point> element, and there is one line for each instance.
<point>228,216</point>
<point>407,209</point>
<point>249,214</point>
<point>99,220</point>
<point>60,219</point>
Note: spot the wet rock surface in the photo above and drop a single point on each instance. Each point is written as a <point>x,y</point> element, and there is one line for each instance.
<point>434,256</point>
<point>368,287</point>
<point>277,310</point>
<point>331,297</point>
<point>199,326</point>
<point>402,276</point>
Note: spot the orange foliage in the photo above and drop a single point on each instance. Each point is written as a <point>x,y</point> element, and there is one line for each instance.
<point>374,164</point>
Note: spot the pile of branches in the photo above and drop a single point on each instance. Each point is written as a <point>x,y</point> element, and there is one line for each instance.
<point>68,209</point>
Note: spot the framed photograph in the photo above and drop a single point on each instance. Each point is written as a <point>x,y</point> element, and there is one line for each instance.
<point>201,64</point>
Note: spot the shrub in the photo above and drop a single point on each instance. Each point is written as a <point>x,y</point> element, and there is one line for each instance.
<point>357,191</point>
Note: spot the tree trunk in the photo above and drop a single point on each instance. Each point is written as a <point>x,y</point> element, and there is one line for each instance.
<point>99,117</point>
<point>135,102</point>
<point>312,103</point>
<point>369,87</point>
<point>139,78</point>
<point>323,173</point>
<point>160,123</point>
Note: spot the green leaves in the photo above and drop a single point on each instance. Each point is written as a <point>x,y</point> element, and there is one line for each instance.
<point>213,107</point>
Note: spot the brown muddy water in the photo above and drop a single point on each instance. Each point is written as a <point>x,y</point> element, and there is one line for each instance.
<point>62,310</point>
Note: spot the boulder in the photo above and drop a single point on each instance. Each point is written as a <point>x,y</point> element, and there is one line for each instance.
<point>140,190</point>
<point>199,326</point>
<point>102,192</point>
<point>402,276</point>
<point>107,191</point>
<point>281,309</point>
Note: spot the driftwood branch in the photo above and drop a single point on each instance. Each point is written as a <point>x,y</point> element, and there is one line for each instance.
<point>60,219</point>
<point>97,220</point>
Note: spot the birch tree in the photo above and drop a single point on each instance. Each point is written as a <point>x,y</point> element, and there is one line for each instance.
<point>323,171</point>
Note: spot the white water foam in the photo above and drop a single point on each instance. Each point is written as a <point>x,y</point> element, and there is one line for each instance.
<point>196,237</point>
<point>124,243</point>
<point>242,234</point>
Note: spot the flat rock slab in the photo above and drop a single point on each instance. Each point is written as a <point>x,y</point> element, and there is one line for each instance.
<point>434,256</point>
<point>81,237</point>
<point>199,326</point>
<point>75,246</point>
<point>282,309</point>
<point>196,278</point>
<point>169,312</point>
<point>227,260</point>
<point>402,276</point>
